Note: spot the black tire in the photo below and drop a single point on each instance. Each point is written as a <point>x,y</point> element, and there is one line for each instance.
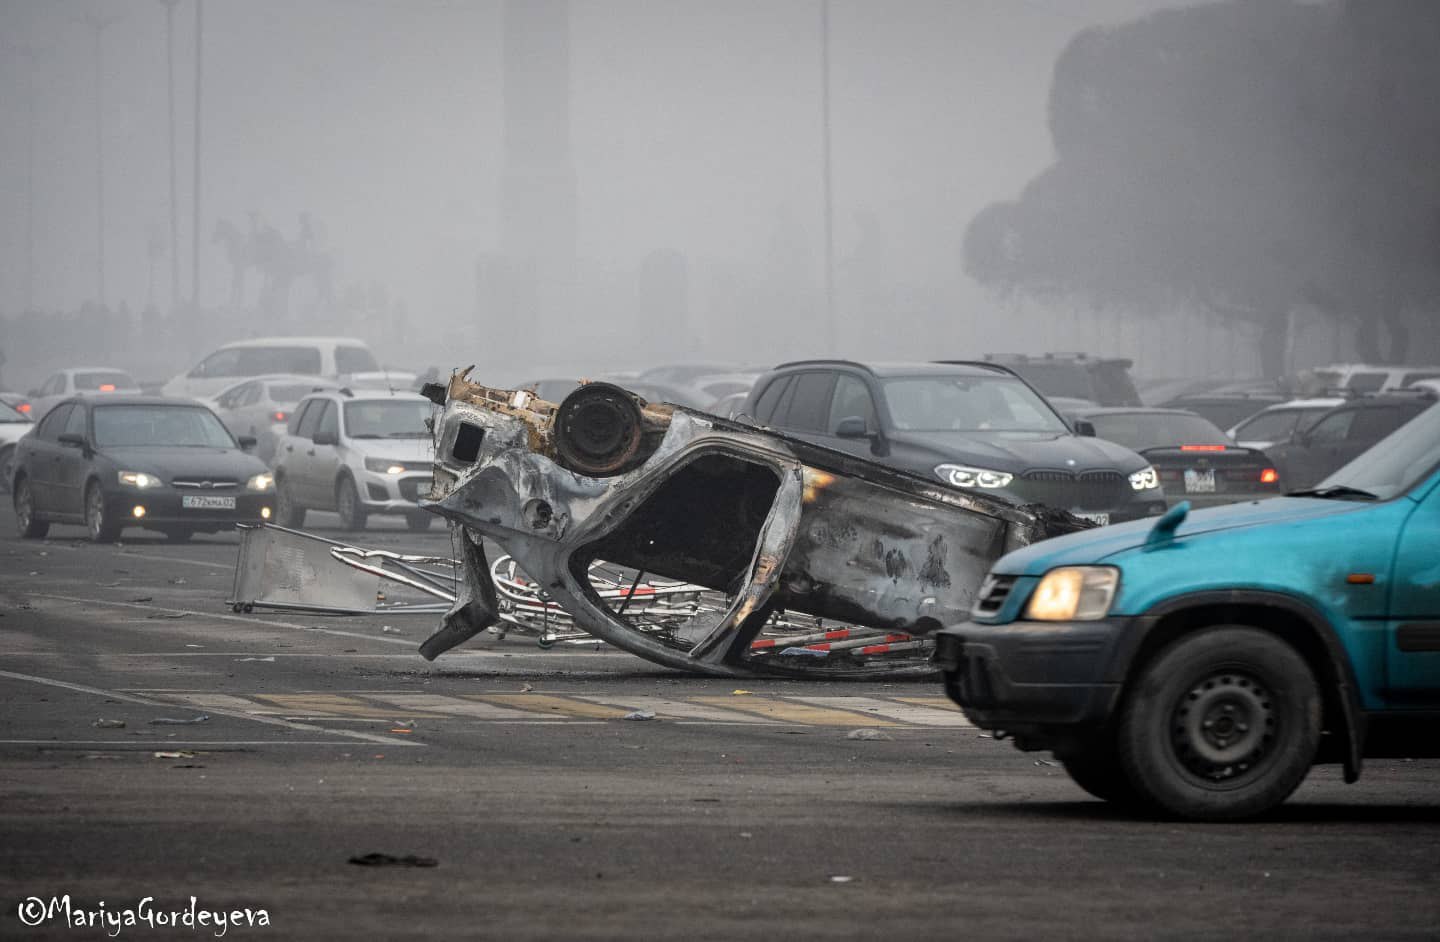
<point>1223,724</point>
<point>30,526</point>
<point>1097,770</point>
<point>288,513</point>
<point>419,520</point>
<point>97,521</point>
<point>347,503</point>
<point>178,534</point>
<point>7,467</point>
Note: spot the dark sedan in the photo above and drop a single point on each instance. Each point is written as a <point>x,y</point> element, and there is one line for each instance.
<point>1193,458</point>
<point>137,461</point>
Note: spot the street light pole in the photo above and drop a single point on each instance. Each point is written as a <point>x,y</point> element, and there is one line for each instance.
<point>832,328</point>
<point>199,99</point>
<point>174,183</point>
<point>99,24</point>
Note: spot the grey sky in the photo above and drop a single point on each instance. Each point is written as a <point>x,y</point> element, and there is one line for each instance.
<point>695,128</point>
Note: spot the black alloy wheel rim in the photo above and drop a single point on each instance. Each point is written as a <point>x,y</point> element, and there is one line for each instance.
<point>1224,728</point>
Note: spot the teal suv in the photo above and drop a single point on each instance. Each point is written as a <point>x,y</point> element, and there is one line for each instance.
<point>1199,664</point>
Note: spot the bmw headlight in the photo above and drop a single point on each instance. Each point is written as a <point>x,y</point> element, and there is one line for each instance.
<point>1145,479</point>
<point>959,475</point>
<point>139,479</point>
<point>384,466</point>
<point>1074,593</point>
<point>261,482</point>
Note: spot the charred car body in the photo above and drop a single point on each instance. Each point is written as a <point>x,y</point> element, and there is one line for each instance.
<point>770,523</point>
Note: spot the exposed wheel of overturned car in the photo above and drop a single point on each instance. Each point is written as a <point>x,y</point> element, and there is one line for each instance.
<point>598,429</point>
<point>1222,724</point>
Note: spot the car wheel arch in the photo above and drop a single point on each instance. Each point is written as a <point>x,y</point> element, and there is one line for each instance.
<point>1290,618</point>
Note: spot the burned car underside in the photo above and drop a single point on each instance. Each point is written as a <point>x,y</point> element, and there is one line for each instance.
<point>803,560</point>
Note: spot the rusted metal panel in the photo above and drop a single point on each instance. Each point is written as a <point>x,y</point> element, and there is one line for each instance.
<point>768,523</point>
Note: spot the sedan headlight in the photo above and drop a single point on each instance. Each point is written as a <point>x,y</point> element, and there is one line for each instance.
<point>1074,593</point>
<point>1145,479</point>
<point>261,482</point>
<point>384,466</point>
<point>959,475</point>
<point>139,479</point>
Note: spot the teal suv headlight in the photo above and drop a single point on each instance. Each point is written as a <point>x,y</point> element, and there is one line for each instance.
<point>1074,593</point>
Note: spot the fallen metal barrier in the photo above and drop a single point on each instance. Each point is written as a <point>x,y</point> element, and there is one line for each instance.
<point>783,538</point>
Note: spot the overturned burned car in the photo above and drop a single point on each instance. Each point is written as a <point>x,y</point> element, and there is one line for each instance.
<point>804,560</point>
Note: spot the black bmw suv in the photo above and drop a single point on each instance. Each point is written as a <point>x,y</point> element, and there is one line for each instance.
<point>973,425</point>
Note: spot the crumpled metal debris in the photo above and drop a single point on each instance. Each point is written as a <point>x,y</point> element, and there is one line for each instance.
<point>861,561</point>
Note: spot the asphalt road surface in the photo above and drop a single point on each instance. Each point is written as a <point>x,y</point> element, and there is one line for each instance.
<point>743,810</point>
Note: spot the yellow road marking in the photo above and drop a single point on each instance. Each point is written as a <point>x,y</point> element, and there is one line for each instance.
<point>793,712</point>
<point>542,703</point>
<point>678,709</point>
<point>321,704</point>
<point>452,706</point>
<point>905,712</point>
<point>938,703</point>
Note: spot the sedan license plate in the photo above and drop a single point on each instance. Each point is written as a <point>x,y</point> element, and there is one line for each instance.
<point>1103,519</point>
<point>207,502</point>
<point>1199,482</point>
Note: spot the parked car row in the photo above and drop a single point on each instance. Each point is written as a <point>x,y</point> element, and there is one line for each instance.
<point>103,456</point>
<point>1065,430</point>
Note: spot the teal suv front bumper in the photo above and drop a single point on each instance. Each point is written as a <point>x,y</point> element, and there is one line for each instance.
<point>1043,683</point>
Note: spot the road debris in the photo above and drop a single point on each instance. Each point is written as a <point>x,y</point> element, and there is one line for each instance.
<point>168,721</point>
<point>870,735</point>
<point>108,724</point>
<point>841,878</point>
<point>390,860</point>
<point>241,660</point>
<point>756,528</point>
<point>391,631</point>
<point>177,754</point>
<point>640,715</point>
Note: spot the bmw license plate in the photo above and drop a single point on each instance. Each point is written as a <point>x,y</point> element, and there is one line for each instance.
<point>1199,482</point>
<point>1096,518</point>
<point>207,502</point>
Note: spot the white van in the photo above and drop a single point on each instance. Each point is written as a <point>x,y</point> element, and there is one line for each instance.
<point>343,359</point>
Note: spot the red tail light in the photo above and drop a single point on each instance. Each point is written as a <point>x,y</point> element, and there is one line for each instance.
<point>279,416</point>
<point>107,387</point>
<point>1202,447</point>
<point>1269,476</point>
<point>23,407</point>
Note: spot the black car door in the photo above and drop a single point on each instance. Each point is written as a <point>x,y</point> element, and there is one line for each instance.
<point>43,467</point>
<point>1312,456</point>
<point>73,463</point>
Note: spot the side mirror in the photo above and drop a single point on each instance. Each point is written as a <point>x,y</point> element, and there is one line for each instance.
<point>247,442</point>
<point>325,438</point>
<point>71,439</point>
<point>852,426</point>
<point>1084,428</point>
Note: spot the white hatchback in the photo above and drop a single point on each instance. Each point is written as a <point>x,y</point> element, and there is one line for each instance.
<point>358,454</point>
